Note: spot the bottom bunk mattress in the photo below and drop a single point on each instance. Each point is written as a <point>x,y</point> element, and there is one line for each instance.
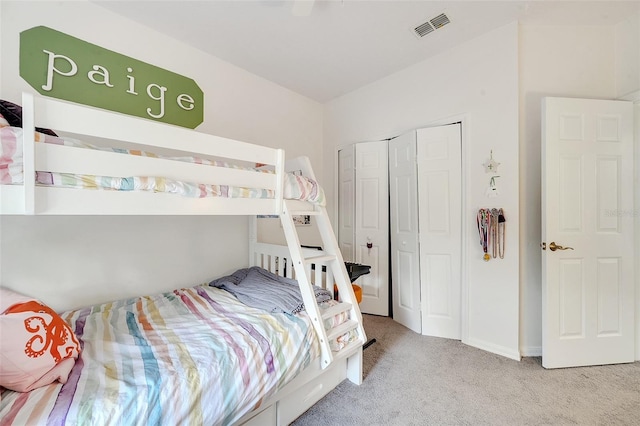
<point>191,356</point>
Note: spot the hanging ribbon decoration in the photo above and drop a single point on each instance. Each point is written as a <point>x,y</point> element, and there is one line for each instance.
<point>501,233</point>
<point>484,225</point>
<point>491,228</point>
<point>494,232</point>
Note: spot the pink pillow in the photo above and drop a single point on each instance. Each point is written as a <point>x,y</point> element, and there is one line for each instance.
<point>37,346</point>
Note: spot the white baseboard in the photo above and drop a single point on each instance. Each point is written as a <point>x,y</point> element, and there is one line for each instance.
<point>493,348</point>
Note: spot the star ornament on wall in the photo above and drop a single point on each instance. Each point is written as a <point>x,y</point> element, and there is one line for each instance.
<point>491,165</point>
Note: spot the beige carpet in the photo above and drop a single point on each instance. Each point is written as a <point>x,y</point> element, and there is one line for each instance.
<point>417,380</point>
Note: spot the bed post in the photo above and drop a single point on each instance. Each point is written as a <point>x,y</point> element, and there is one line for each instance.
<point>354,367</point>
<point>253,239</point>
<point>28,150</point>
<point>280,173</point>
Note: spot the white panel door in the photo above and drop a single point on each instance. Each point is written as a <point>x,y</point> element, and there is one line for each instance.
<point>372,225</point>
<point>346,200</point>
<point>587,228</point>
<point>439,151</point>
<point>405,250</point>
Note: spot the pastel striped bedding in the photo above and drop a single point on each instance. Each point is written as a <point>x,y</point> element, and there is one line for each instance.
<point>343,340</point>
<point>11,172</point>
<point>190,356</point>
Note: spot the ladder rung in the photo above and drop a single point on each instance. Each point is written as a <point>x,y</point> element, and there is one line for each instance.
<point>320,259</point>
<point>348,350</point>
<point>341,329</point>
<point>335,310</point>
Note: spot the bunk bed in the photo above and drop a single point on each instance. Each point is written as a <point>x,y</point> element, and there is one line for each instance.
<point>183,356</point>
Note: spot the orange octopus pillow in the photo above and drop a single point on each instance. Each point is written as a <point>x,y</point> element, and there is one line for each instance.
<point>37,346</point>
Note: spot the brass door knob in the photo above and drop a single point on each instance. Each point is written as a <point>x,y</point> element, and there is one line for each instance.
<point>553,247</point>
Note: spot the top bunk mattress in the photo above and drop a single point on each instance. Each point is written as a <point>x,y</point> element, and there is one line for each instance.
<point>296,186</point>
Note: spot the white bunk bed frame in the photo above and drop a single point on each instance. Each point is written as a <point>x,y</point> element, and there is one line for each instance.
<point>306,265</point>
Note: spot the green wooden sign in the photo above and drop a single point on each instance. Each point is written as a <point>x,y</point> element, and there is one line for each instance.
<point>65,67</point>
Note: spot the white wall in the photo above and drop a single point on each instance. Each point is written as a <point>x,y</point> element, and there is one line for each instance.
<point>637,216</point>
<point>627,51</point>
<point>72,261</point>
<point>627,38</point>
<point>478,83</point>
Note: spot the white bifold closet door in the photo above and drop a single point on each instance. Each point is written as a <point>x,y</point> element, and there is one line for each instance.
<point>405,244</point>
<point>425,199</point>
<point>372,224</point>
<point>346,203</point>
<point>363,219</point>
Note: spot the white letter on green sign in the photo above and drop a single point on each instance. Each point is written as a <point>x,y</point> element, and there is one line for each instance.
<point>51,68</point>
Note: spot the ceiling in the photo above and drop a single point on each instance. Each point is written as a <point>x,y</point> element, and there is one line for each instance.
<point>323,49</point>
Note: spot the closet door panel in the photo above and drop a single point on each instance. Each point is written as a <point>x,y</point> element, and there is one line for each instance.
<point>440,195</point>
<point>405,252</point>
<point>372,224</point>
<point>436,215</point>
<point>346,203</point>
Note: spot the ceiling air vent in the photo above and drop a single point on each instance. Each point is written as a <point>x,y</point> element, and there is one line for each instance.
<point>431,25</point>
<point>439,21</point>
<point>424,29</point>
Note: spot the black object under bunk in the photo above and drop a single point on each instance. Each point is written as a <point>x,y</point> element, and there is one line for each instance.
<point>355,271</point>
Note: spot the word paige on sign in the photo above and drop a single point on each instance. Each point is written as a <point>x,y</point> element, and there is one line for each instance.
<point>64,67</point>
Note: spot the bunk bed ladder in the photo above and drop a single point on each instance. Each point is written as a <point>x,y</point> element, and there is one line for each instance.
<point>332,258</point>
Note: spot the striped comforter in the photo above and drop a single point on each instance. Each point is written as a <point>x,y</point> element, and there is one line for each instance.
<point>11,172</point>
<point>191,356</point>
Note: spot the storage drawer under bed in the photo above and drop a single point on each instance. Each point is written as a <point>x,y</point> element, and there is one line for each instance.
<point>292,406</point>
<point>264,418</point>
